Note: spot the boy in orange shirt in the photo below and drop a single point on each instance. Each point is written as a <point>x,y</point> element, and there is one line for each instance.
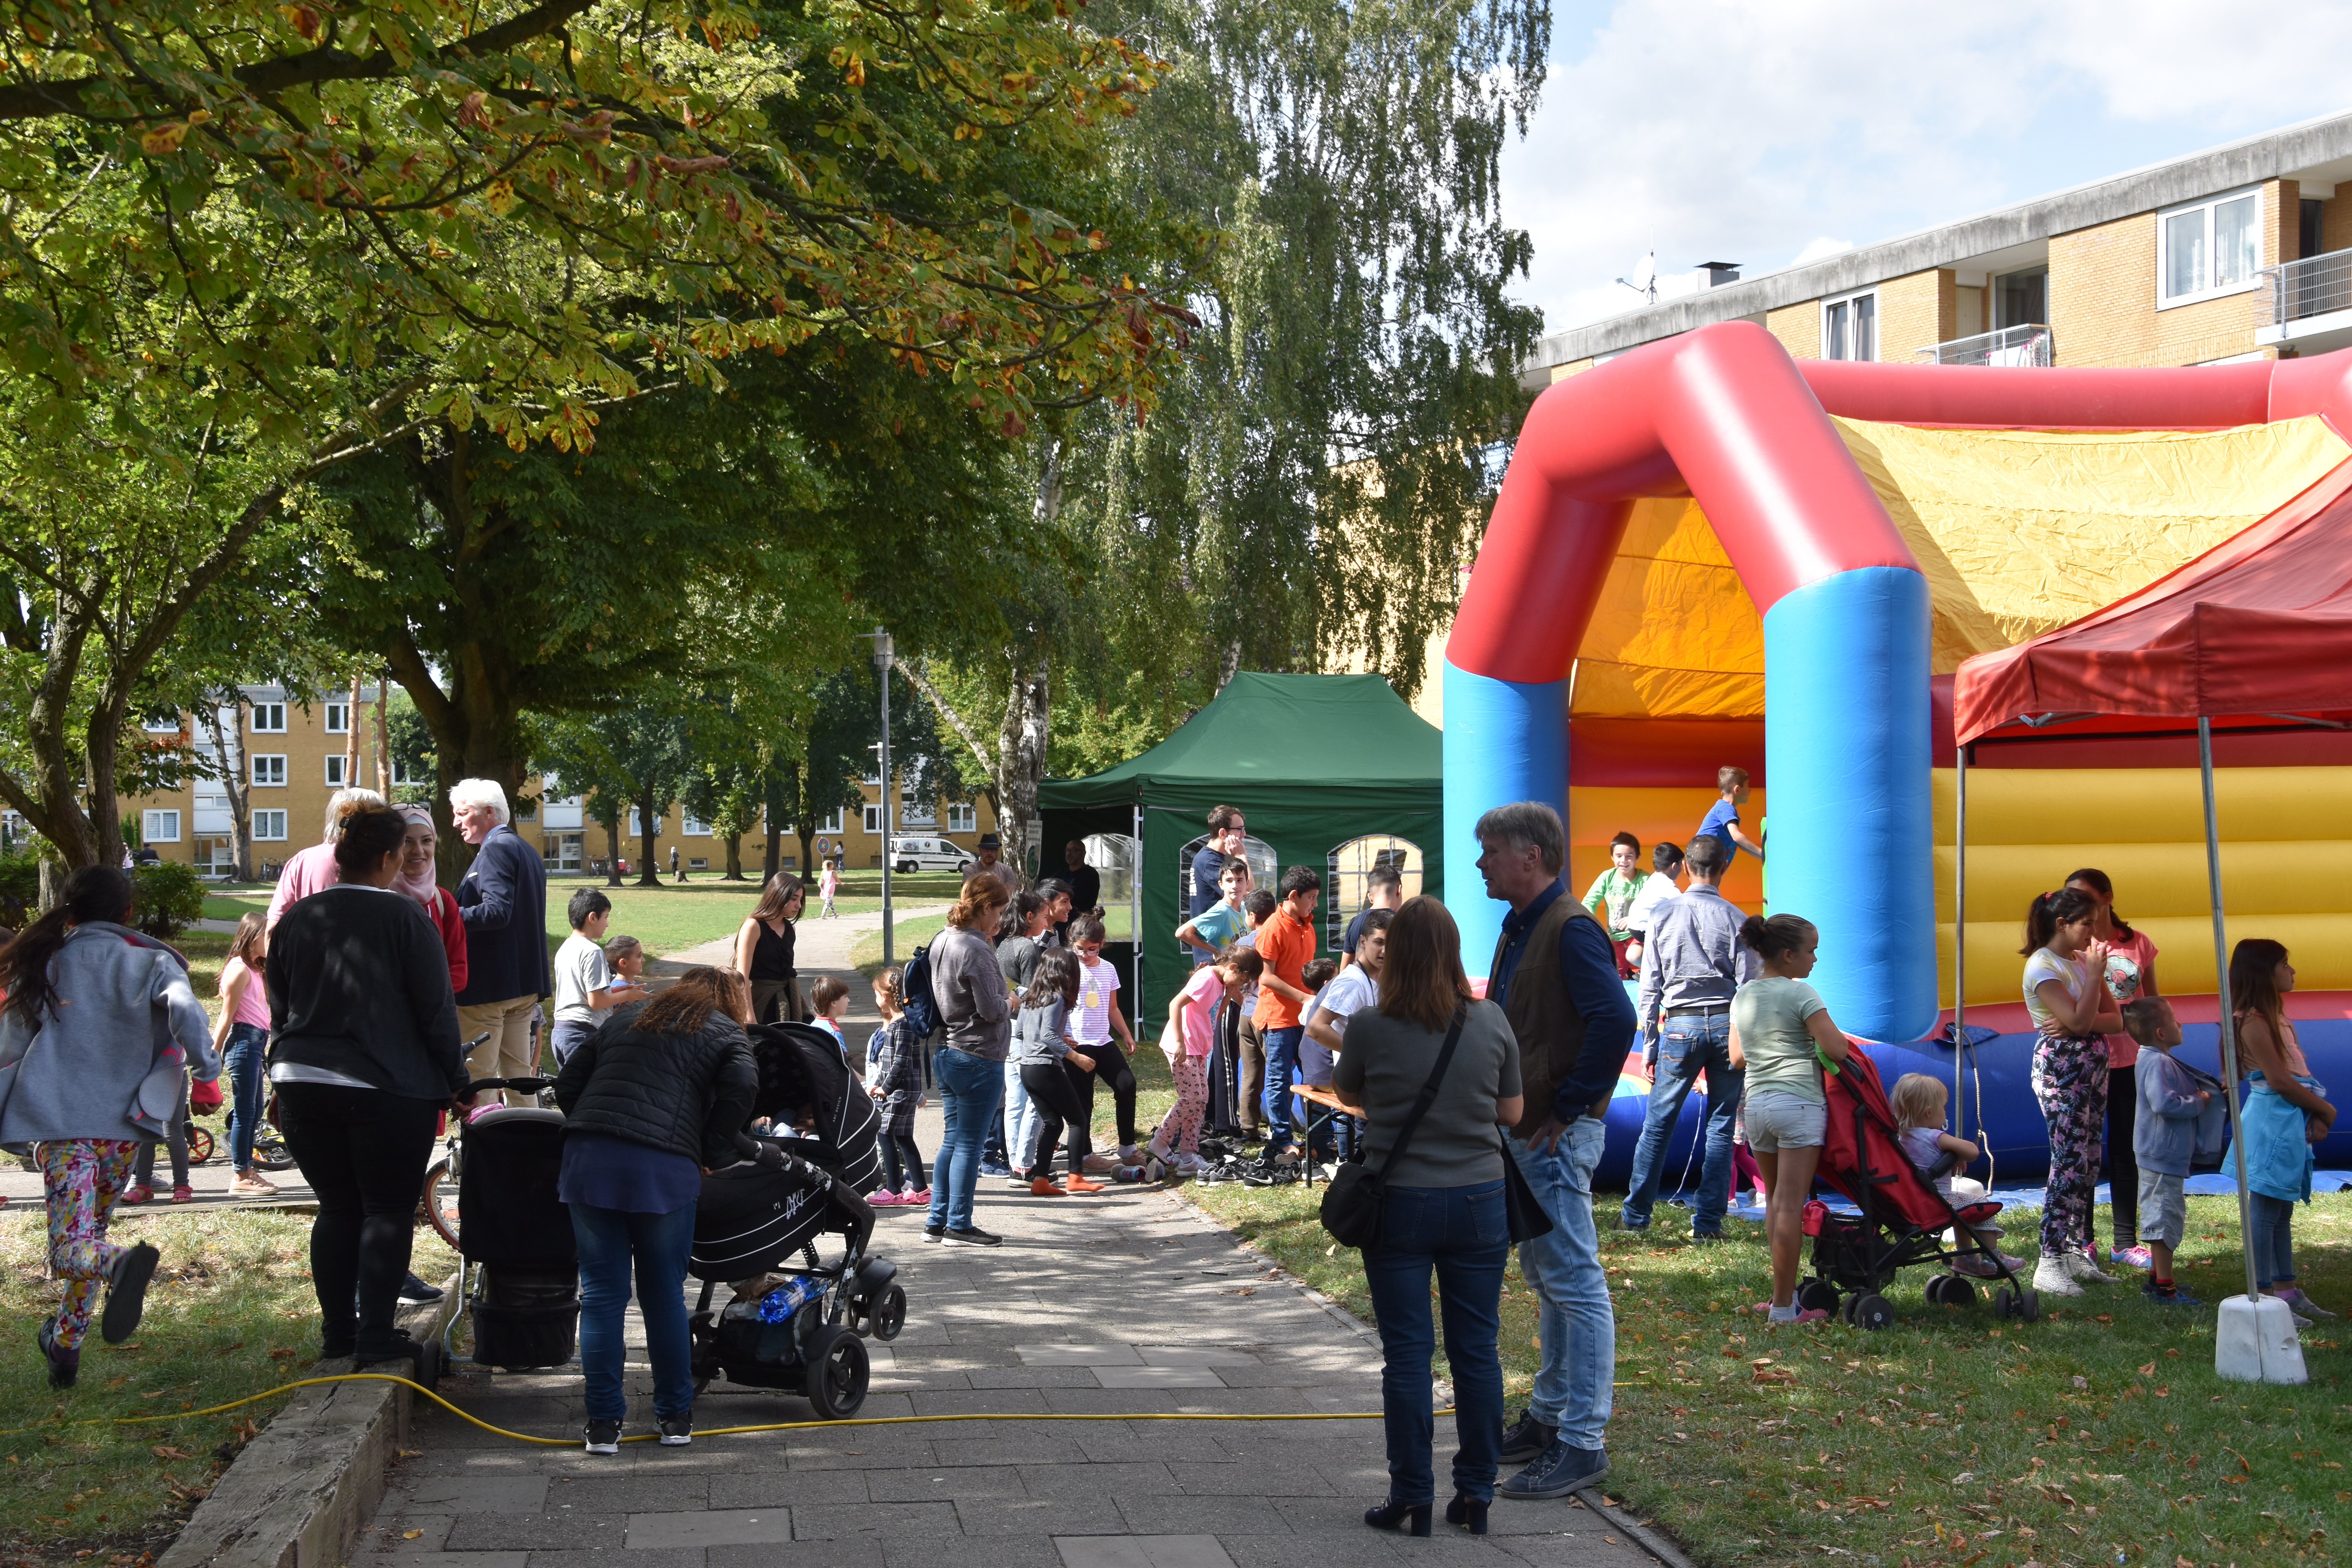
<point>1285,943</point>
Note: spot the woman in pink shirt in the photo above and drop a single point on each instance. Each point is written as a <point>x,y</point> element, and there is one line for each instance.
<point>2122,1096</point>
<point>1191,1035</point>
<point>241,1034</point>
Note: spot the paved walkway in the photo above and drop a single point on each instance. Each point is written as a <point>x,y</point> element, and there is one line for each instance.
<point>1130,1302</point>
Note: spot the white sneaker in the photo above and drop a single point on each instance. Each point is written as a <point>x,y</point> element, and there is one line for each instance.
<point>2079,1265</point>
<point>1189,1163</point>
<point>2052,1278</point>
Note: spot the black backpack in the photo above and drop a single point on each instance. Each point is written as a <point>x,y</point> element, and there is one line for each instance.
<point>915,992</point>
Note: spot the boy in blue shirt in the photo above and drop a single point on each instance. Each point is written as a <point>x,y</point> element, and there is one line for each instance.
<point>1722,819</point>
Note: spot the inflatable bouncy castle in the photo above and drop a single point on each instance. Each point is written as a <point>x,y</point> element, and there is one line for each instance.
<point>1706,552</point>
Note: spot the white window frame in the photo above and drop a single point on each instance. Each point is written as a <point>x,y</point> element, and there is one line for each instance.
<point>831,823</point>
<point>872,822</point>
<point>962,816</point>
<point>161,726</point>
<point>637,823</point>
<point>269,719</point>
<point>2207,290</point>
<point>268,770</point>
<point>403,778</point>
<point>334,761</point>
<point>689,826</point>
<point>1847,302</point>
<point>159,827</point>
<point>270,826</point>
<point>339,717</point>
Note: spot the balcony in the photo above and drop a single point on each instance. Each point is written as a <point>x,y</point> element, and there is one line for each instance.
<point>2030,344</point>
<point>2310,304</point>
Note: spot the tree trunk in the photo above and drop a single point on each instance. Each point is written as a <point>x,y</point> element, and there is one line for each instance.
<point>230,752</point>
<point>1021,760</point>
<point>613,852</point>
<point>352,739</point>
<point>734,858</point>
<point>384,734</point>
<point>49,800</point>
<point>648,874</point>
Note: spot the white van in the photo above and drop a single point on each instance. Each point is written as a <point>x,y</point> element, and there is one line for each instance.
<point>931,855</point>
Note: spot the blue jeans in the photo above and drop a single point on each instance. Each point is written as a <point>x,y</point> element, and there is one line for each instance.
<point>970,1089</point>
<point>1020,1129</point>
<point>609,1240</point>
<point>2273,1240</point>
<point>1281,1066</point>
<point>1687,1048</point>
<point>242,1065</point>
<point>1460,1232</point>
<point>1577,1325</point>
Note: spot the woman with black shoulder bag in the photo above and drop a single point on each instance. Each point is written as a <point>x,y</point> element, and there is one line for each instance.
<point>1433,1071</point>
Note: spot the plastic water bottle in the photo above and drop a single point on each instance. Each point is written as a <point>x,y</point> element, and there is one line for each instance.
<point>779,1304</point>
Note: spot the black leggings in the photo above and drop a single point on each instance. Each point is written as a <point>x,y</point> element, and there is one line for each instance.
<point>363,1152</point>
<point>2122,1166</point>
<point>1111,1068</point>
<point>1054,1089</point>
<point>901,1159</point>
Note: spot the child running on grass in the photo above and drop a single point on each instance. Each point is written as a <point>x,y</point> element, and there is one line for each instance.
<point>1191,1035</point>
<point>1050,1061</point>
<point>2164,1140</point>
<point>2286,1114</point>
<point>1920,1103</point>
<point>894,1079</point>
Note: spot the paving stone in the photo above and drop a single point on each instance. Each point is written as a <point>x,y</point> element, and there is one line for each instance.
<point>784,1488</point>
<point>1006,1402</point>
<point>950,1482</point>
<point>883,1521</point>
<point>704,1528</point>
<point>1194,1355</point>
<point>1194,1376</point>
<point>1096,1355</point>
<point>408,1559</point>
<point>471,1494</point>
<point>534,1531</point>
<point>973,1551</point>
<point>1276,1479</point>
<point>636,1493</point>
<point>1039,1516</point>
<point>1034,1377</point>
<point>1133,1478</point>
<point>863,1553</point>
<point>1202,1515</point>
<point>665,1557</point>
<point>1115,1401</point>
<point>1143,1552</point>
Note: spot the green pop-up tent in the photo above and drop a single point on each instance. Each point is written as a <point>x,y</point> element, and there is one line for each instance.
<point>1316,762</point>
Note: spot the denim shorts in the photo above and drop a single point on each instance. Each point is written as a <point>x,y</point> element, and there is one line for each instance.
<point>1777,1120</point>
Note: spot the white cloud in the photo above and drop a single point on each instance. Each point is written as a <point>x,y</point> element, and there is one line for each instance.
<point>1712,129</point>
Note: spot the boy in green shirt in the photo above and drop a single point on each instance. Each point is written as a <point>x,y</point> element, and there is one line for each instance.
<point>1612,893</point>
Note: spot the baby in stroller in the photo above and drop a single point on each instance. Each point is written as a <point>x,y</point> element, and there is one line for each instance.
<point>1919,1102</point>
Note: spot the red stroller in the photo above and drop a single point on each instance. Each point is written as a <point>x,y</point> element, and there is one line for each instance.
<point>1903,1220</point>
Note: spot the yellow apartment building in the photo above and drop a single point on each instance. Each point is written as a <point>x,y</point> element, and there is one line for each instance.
<point>2240,252</point>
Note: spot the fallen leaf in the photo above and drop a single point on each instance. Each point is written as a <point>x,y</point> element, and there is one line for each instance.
<point>164,1451</point>
<point>2148,1371</point>
<point>410,1535</point>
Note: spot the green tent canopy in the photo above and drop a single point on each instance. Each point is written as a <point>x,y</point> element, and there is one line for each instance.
<point>1315,763</point>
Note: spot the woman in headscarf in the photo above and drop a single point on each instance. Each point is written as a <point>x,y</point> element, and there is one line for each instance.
<point>417,862</point>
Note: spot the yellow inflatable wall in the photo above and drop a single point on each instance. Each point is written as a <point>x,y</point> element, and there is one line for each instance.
<point>2286,865</point>
<point>1595,815</point>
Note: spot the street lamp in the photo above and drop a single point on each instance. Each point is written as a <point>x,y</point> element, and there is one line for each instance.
<point>885,656</point>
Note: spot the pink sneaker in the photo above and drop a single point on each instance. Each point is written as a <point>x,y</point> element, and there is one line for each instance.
<point>2133,1256</point>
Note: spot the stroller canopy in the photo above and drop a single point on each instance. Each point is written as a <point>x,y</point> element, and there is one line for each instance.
<point>805,1084</point>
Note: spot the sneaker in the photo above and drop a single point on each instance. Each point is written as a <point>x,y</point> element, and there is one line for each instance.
<point>973,1236</point>
<point>677,1431</point>
<point>1559,1470</point>
<point>2132,1256</point>
<point>991,1168</point>
<point>126,1291</point>
<point>399,1346</point>
<point>1627,1222</point>
<point>2052,1278</point>
<point>2300,1304</point>
<point>415,1292</point>
<point>183,1193</point>
<point>1190,1164</point>
<point>1525,1437</point>
<point>603,1438</point>
<point>1019,1181</point>
<point>140,1193</point>
<point>64,1365</point>
<point>1977,1267</point>
<point>1288,1157</point>
<point>252,1184</point>
<point>934,1232</point>
<point>1080,1184</point>
<point>2176,1297</point>
<point>2079,1266</point>
<point>1044,1187</point>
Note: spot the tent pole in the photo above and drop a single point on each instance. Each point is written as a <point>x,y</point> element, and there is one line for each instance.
<point>1961,942</point>
<point>2221,977</point>
<point>1135,909</point>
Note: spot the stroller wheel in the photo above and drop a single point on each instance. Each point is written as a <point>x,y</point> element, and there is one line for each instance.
<point>1871,1313</point>
<point>2018,1301</point>
<point>1953,1291</point>
<point>1816,1296</point>
<point>1846,1309</point>
<point>837,1372</point>
<point>891,1313</point>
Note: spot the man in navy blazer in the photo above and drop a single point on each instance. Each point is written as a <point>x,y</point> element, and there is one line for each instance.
<point>503,902</point>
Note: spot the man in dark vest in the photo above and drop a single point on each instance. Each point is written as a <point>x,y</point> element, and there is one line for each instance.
<point>1556,979</point>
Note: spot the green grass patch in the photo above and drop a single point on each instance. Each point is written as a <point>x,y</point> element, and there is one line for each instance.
<point>230,1313</point>
<point>865,953</point>
<point>2099,1435</point>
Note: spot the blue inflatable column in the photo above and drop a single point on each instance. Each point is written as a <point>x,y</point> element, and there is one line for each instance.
<point>1847,749</point>
<point>1505,741</point>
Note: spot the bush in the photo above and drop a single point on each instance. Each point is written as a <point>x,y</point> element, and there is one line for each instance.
<point>170,897</point>
<point>20,889</point>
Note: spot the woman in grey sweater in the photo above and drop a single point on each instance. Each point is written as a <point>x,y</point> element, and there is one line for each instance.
<point>102,1028</point>
<point>970,989</point>
<point>1444,1212</point>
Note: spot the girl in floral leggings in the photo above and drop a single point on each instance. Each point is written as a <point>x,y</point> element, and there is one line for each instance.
<point>2067,995</point>
<point>1186,1042</point>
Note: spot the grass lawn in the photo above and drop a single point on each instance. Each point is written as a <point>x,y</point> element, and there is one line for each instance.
<point>865,953</point>
<point>230,1312</point>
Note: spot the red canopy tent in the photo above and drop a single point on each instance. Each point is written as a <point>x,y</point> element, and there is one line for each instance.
<point>2256,631</point>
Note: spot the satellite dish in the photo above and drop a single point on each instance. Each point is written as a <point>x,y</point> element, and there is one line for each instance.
<point>1644,280</point>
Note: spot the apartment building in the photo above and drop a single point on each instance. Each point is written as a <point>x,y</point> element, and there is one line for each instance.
<point>2240,252</point>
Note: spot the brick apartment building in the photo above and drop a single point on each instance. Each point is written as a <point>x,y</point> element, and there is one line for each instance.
<point>292,751</point>
<point>2241,252</point>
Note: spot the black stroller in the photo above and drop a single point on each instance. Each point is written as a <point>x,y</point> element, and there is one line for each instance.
<point>522,1284</point>
<point>801,1331</point>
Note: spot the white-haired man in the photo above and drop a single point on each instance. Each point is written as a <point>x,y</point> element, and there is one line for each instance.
<point>503,902</point>
<point>307,870</point>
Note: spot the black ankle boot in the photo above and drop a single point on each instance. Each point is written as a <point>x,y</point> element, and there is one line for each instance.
<point>1393,1515</point>
<point>1470,1515</point>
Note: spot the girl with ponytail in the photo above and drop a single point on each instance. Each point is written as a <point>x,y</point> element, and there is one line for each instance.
<point>2131,974</point>
<point>2066,996</point>
<point>2285,1115</point>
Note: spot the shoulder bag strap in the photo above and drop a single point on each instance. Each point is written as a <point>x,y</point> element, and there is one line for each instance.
<point>1428,1093</point>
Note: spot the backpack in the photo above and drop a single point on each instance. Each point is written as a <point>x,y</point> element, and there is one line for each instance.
<point>915,992</point>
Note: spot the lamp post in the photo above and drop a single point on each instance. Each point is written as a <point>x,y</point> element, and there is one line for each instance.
<point>885,656</point>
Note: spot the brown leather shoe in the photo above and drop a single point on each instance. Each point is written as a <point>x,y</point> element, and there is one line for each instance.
<point>1044,1187</point>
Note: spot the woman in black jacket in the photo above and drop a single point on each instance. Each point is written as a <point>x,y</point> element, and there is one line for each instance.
<point>363,1053</point>
<point>651,1101</point>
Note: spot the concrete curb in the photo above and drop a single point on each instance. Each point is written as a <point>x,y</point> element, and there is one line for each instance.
<point>297,1496</point>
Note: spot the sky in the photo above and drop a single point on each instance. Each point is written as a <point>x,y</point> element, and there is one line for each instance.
<point>1767,133</point>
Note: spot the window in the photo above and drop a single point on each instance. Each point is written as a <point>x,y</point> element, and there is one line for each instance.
<point>692,827</point>
<point>159,826</point>
<point>269,771</point>
<point>339,717</point>
<point>269,718</point>
<point>334,770</point>
<point>166,723</point>
<point>645,826</point>
<point>269,827</point>
<point>912,814</point>
<point>1850,327</point>
<point>2211,248</point>
<point>2021,299</point>
<point>832,823</point>
<point>960,817</point>
<point>404,774</point>
<point>873,818</point>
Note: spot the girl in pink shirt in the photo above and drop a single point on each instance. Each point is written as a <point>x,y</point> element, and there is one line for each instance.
<point>2123,1092</point>
<point>1191,1034</point>
<point>242,1036</point>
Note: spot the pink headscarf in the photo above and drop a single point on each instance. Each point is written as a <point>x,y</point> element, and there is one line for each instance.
<point>421,887</point>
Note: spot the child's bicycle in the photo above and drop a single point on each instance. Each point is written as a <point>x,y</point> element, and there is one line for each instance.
<point>439,1203</point>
